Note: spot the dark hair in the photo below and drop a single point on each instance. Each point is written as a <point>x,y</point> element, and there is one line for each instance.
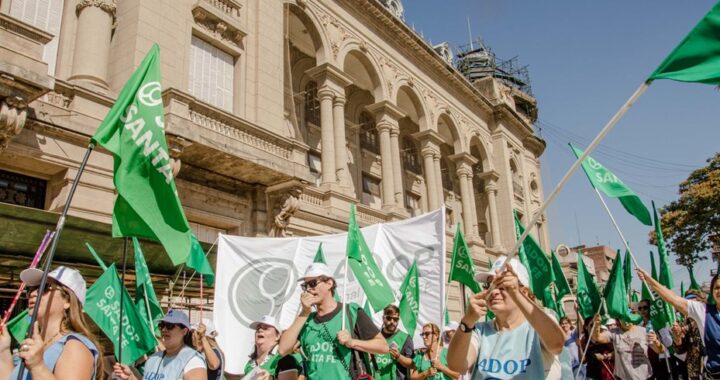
<point>565,319</point>
<point>188,337</point>
<point>391,309</point>
<point>712,283</point>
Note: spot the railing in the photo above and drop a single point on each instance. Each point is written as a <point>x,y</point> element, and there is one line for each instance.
<point>229,7</point>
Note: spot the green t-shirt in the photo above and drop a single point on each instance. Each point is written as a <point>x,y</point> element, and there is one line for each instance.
<point>274,363</point>
<point>422,363</point>
<point>386,365</point>
<point>326,357</point>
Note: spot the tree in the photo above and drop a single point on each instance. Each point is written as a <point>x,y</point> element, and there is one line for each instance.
<point>689,222</point>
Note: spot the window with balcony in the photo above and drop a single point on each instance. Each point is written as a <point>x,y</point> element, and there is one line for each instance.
<point>312,104</point>
<point>211,74</point>
<point>21,190</point>
<point>45,15</point>
<point>315,165</point>
<point>368,133</point>
<point>411,162</point>
<point>371,191</point>
<point>412,203</point>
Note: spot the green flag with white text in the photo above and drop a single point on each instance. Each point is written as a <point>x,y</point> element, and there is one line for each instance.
<point>102,305</point>
<point>604,180</point>
<point>146,301</point>
<point>410,299</point>
<point>361,261</point>
<point>462,269</point>
<point>588,296</point>
<point>562,287</point>
<point>693,282</point>
<point>658,312</point>
<point>147,204</point>
<point>537,263</point>
<point>697,57</point>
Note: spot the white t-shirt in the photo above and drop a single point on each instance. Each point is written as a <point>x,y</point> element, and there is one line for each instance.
<point>696,311</point>
<point>195,362</point>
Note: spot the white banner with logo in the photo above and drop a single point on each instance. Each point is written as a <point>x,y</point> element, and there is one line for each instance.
<point>259,276</point>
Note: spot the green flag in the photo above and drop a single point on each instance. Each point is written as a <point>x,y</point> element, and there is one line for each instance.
<point>319,255</point>
<point>682,289</point>
<point>627,266</point>
<point>446,317</point>
<point>697,58</point>
<point>18,326</point>
<point>462,269</point>
<point>146,301</point>
<point>537,263</point>
<point>367,309</point>
<point>561,283</point>
<point>549,300</point>
<point>588,296</point>
<point>635,297</point>
<point>560,307</point>
<point>410,300</point>
<point>693,282</point>
<point>199,262</point>
<point>602,179</point>
<point>658,312</point>
<point>615,294</point>
<point>665,275</point>
<point>366,270</point>
<point>102,305</point>
<point>147,203</point>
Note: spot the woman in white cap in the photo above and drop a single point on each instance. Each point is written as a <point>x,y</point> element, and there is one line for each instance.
<point>265,355</point>
<point>62,346</point>
<point>204,341</point>
<point>521,342</point>
<point>179,361</point>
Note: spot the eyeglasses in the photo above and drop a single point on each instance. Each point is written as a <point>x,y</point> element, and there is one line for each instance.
<point>167,326</point>
<point>426,334</point>
<point>312,283</point>
<point>391,319</point>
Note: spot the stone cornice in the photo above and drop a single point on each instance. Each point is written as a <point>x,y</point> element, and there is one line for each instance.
<point>385,108</point>
<point>329,74</point>
<point>428,136</point>
<point>534,144</point>
<point>25,30</point>
<point>464,158</point>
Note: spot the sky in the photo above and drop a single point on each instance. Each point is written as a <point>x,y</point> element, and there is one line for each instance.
<point>585,60</point>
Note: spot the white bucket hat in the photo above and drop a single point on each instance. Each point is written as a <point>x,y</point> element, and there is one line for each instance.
<point>68,277</point>
<point>266,320</point>
<point>316,270</point>
<point>499,264</point>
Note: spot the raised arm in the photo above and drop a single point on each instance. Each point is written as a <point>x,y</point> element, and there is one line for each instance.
<point>461,354</point>
<point>290,336</point>
<point>680,304</point>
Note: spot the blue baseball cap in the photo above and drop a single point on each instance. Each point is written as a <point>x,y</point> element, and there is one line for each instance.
<point>177,317</point>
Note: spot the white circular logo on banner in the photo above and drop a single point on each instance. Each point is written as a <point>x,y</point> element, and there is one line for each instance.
<point>261,288</point>
<point>150,95</point>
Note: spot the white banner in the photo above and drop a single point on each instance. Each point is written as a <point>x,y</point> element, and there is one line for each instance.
<point>259,276</point>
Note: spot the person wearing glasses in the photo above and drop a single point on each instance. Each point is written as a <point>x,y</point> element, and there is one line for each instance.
<point>61,346</point>
<point>659,348</point>
<point>179,361</point>
<point>521,342</point>
<point>331,353</point>
<point>395,364</point>
<point>431,362</point>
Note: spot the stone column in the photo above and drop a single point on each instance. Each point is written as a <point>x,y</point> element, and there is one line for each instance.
<point>492,190</point>
<point>463,171</point>
<point>428,153</point>
<point>388,187</point>
<point>341,159</point>
<point>397,165</point>
<point>92,41</point>
<point>438,175</point>
<point>327,139</point>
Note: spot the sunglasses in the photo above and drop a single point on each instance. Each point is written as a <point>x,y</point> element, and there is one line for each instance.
<point>426,334</point>
<point>168,326</point>
<point>643,308</point>
<point>391,319</point>
<point>312,283</point>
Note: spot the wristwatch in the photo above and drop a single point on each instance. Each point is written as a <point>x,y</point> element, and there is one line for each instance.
<point>465,328</point>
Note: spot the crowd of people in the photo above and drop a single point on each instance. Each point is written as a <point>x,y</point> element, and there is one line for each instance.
<point>522,340</point>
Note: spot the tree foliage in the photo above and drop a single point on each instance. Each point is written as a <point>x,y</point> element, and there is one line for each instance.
<point>689,222</point>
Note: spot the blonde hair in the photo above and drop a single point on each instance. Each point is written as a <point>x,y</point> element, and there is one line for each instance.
<point>74,321</point>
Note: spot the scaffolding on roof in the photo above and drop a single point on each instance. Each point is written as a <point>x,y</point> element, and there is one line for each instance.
<point>476,61</point>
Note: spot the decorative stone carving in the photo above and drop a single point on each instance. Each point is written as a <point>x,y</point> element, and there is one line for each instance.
<point>108,6</point>
<point>226,29</point>
<point>283,202</point>
<point>176,145</point>
<point>12,121</point>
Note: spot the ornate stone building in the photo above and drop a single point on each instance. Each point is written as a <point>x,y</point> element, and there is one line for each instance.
<point>279,115</point>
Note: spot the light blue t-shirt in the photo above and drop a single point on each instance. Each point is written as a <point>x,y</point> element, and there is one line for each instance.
<point>514,354</point>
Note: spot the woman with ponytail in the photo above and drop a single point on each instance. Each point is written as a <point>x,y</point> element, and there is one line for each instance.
<point>61,347</point>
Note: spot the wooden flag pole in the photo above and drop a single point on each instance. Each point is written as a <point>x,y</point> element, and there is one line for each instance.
<point>53,248</point>
<point>601,135</point>
<point>122,298</point>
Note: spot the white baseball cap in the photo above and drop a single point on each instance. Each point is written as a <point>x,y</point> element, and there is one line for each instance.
<point>266,320</point>
<point>452,326</point>
<point>209,327</point>
<point>68,277</point>
<point>499,264</point>
<point>316,270</point>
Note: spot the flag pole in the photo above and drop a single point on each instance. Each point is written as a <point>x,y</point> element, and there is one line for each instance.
<point>182,291</point>
<point>589,337</point>
<point>345,280</point>
<point>622,236</point>
<point>122,298</point>
<point>601,135</point>
<point>201,297</point>
<point>53,248</point>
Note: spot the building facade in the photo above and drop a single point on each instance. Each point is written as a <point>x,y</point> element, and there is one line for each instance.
<point>279,115</point>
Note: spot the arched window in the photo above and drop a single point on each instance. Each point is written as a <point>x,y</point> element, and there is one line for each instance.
<point>516,181</point>
<point>411,162</point>
<point>312,104</point>
<point>447,181</point>
<point>368,133</point>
